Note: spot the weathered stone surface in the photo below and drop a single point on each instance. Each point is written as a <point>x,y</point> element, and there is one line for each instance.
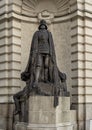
<point>6,116</point>
<point>67,126</point>
<point>21,126</point>
<point>50,117</point>
<point>44,116</point>
<point>45,103</point>
<point>42,111</point>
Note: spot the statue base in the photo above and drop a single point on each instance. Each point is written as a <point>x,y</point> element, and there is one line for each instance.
<point>64,126</point>
<point>42,115</point>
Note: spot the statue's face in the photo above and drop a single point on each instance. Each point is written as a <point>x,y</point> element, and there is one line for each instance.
<point>42,27</point>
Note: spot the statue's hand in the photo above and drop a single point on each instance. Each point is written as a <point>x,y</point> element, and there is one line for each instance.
<point>25,76</point>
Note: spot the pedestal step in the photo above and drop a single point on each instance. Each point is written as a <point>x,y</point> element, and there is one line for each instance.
<point>50,117</point>
<point>62,126</point>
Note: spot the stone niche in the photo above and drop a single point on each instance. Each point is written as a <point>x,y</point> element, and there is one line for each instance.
<point>55,12</point>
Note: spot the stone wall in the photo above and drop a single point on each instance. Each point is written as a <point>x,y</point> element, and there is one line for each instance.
<point>81,34</point>
<point>10,59</point>
<point>63,48</point>
<point>72,32</point>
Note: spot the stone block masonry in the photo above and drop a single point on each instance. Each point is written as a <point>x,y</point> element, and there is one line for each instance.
<point>43,116</point>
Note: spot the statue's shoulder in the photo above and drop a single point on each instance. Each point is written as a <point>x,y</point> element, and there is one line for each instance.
<point>35,34</point>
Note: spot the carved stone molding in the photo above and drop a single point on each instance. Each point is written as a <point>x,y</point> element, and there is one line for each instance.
<point>47,16</point>
<point>33,7</point>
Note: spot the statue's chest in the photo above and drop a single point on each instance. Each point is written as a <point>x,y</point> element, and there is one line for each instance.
<point>43,36</point>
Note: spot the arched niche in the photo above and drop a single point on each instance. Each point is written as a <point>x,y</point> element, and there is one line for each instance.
<point>33,7</point>
<point>59,26</point>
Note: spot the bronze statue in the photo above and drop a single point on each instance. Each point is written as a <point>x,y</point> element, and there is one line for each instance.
<point>41,68</point>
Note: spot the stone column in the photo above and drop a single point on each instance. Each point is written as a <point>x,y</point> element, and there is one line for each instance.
<point>10,58</point>
<point>88,61</point>
<point>81,39</point>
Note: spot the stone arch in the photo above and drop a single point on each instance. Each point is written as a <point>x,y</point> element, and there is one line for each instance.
<point>32,7</point>
<point>57,15</point>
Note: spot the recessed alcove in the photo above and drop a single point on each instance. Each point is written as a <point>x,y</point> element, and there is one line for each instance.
<point>60,27</point>
<point>32,7</point>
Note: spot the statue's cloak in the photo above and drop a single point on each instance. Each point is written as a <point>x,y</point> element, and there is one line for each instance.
<point>55,77</point>
<point>28,74</point>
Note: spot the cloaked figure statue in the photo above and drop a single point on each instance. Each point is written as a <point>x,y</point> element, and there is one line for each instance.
<point>42,69</point>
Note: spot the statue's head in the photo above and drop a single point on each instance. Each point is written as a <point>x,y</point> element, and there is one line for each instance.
<point>43,24</point>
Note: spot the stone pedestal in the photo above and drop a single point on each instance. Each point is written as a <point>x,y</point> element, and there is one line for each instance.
<point>43,116</point>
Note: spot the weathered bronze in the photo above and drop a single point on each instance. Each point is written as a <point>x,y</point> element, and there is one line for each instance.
<point>42,69</point>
